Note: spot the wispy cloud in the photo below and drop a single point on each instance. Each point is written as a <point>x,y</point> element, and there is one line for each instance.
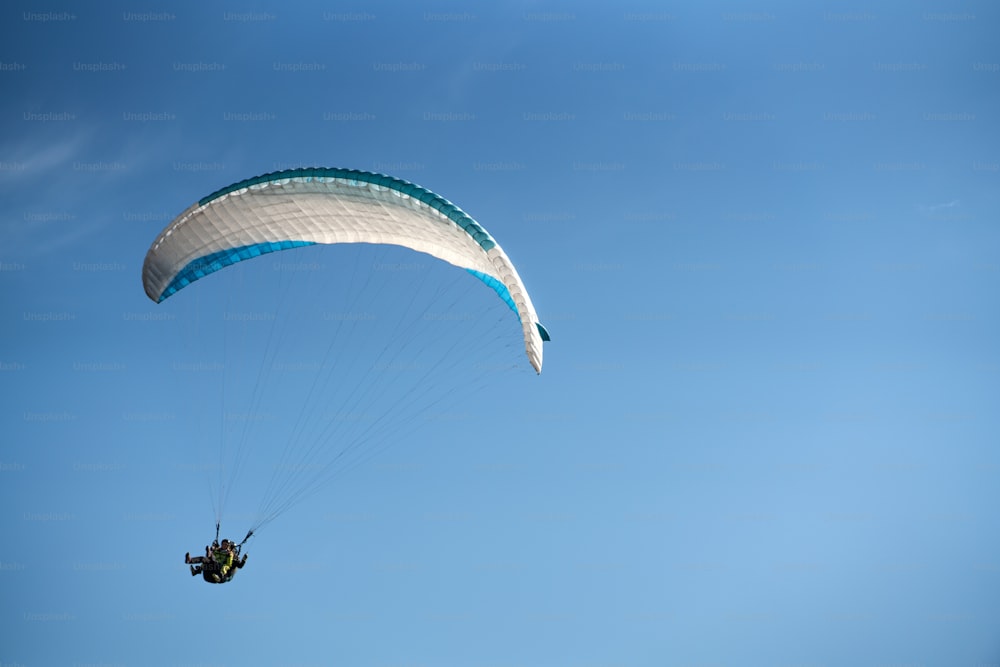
<point>934,208</point>
<point>29,160</point>
<point>40,212</point>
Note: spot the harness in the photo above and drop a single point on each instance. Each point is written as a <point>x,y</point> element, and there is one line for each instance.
<point>219,563</point>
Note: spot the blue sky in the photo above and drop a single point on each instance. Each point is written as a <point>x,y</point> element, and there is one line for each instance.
<point>762,237</point>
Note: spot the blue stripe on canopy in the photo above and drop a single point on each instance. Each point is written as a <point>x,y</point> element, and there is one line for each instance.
<point>201,267</point>
<point>497,287</point>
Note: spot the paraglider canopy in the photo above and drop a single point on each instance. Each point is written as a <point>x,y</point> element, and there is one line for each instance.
<point>300,207</point>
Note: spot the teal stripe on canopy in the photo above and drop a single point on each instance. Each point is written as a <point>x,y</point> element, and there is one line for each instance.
<point>435,201</point>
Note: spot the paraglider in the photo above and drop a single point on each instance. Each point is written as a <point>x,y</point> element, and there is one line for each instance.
<point>297,208</point>
<point>219,564</point>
